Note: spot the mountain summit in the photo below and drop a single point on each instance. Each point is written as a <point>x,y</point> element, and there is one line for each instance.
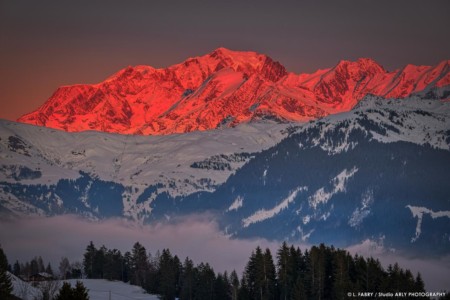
<point>226,88</point>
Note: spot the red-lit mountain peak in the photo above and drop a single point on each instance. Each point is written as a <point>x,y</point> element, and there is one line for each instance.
<point>356,70</point>
<point>250,62</point>
<point>343,85</point>
<point>192,72</point>
<point>224,88</point>
<point>238,60</point>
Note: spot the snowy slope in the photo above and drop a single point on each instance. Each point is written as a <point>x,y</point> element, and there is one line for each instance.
<point>98,289</point>
<point>177,164</point>
<point>415,120</point>
<point>101,289</point>
<point>379,170</point>
<point>341,179</point>
<point>23,289</point>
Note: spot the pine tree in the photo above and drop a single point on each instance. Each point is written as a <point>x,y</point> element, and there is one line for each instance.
<point>178,271</point>
<point>222,287</point>
<point>76,270</point>
<point>187,280</point>
<point>284,272</point>
<point>299,292</point>
<point>419,284</point>
<point>341,282</point>
<point>113,265</point>
<point>254,274</point>
<point>34,267</point>
<point>302,269</point>
<point>167,275</point>
<point>80,292</point>
<point>234,280</point>
<point>317,272</point>
<point>100,262</point>
<point>408,282</point>
<point>139,265</point>
<point>89,260</point>
<point>295,259</point>
<point>205,283</point>
<point>362,274</point>
<point>16,268</point>
<point>126,274</point>
<point>26,269</point>
<point>5,280</point>
<point>261,275</point>
<point>227,283</point>
<point>376,275</point>
<point>152,274</point>
<point>327,284</point>
<point>244,293</point>
<point>40,264</point>
<point>269,276</point>
<point>393,278</point>
<point>66,292</point>
<point>49,269</point>
<point>307,274</point>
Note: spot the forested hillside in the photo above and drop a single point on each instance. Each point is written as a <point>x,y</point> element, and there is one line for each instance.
<point>320,272</point>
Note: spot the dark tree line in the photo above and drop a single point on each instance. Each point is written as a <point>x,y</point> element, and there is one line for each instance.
<point>318,273</point>
<point>48,288</point>
<point>328,273</point>
<point>67,292</point>
<point>162,274</point>
<point>5,280</point>
<point>36,265</point>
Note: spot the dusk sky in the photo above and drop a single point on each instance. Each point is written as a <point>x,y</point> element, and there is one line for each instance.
<point>46,44</point>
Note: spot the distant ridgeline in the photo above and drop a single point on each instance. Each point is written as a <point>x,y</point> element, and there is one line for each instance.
<point>226,88</point>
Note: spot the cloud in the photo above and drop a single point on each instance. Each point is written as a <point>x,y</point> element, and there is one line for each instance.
<point>197,237</point>
<point>434,271</point>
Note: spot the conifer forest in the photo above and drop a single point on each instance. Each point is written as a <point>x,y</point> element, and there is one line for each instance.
<point>320,272</point>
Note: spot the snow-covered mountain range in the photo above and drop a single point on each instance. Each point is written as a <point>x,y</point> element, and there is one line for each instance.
<point>227,88</point>
<point>343,155</point>
<point>378,172</point>
<point>341,179</point>
<point>131,167</point>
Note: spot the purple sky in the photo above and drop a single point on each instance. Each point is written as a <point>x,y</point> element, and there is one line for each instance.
<point>46,44</point>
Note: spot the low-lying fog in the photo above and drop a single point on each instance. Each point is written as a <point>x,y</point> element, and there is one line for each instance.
<point>197,237</point>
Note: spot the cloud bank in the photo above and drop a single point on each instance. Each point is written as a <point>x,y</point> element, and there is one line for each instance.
<point>196,237</point>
